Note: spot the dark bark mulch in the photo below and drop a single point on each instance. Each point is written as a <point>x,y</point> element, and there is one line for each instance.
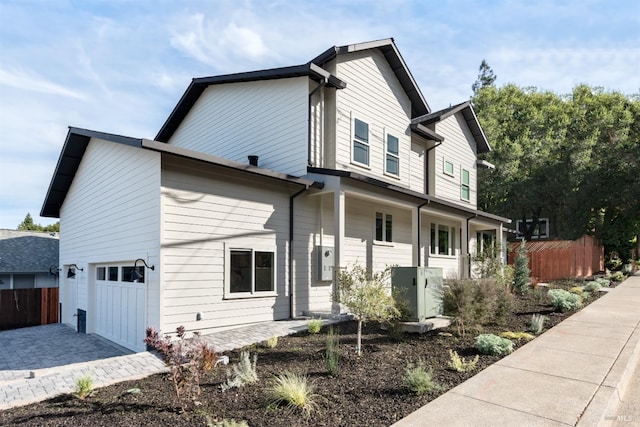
<point>369,389</point>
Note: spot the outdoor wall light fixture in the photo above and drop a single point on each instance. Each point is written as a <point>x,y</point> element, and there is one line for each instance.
<point>135,274</point>
<point>72,271</point>
<point>54,270</point>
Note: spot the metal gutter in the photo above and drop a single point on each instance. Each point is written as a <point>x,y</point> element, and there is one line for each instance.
<point>291,229</point>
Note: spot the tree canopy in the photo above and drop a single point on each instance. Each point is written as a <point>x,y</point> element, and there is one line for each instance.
<point>574,159</point>
<point>28,224</point>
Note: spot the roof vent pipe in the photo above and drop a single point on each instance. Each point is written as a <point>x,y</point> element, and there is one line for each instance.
<point>253,160</point>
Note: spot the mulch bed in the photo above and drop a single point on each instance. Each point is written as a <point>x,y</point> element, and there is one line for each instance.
<point>369,389</point>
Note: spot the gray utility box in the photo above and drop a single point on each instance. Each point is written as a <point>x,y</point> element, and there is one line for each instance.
<point>421,288</point>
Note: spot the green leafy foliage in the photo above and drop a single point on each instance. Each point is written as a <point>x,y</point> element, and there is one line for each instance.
<point>243,373</point>
<point>517,335</point>
<point>332,353</point>
<point>314,325</point>
<point>563,300</point>
<point>271,342</point>
<point>459,364</point>
<point>419,379</point>
<point>367,297</point>
<point>521,280</point>
<point>28,224</point>
<point>592,286</point>
<point>84,387</point>
<point>493,345</point>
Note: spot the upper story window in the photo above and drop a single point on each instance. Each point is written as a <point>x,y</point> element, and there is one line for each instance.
<point>464,186</point>
<point>448,168</point>
<point>541,230</point>
<point>384,227</point>
<point>360,142</point>
<point>443,240</point>
<point>251,272</point>
<point>392,163</point>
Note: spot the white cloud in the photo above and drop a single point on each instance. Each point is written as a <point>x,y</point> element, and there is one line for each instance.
<point>30,81</point>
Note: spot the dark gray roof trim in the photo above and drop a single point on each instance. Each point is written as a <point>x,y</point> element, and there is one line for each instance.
<point>198,85</point>
<point>470,118</point>
<point>388,48</point>
<point>423,197</point>
<point>76,144</point>
<point>426,132</point>
<point>72,151</point>
<point>219,161</point>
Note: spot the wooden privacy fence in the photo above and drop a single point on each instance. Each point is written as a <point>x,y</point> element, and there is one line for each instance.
<point>20,308</point>
<point>558,259</point>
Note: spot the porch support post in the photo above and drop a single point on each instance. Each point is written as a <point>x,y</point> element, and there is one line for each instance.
<point>338,244</point>
<point>415,237</point>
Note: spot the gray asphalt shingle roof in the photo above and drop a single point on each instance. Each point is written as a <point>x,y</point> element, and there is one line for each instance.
<point>28,251</point>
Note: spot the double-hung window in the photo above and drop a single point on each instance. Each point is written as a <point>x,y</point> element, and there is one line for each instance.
<point>443,240</point>
<point>448,168</point>
<point>384,227</point>
<point>360,142</point>
<point>392,163</point>
<point>464,186</point>
<point>250,272</point>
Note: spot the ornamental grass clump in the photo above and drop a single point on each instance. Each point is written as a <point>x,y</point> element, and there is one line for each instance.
<point>537,323</point>
<point>517,335</point>
<point>271,342</point>
<point>493,345</point>
<point>459,364</point>
<point>314,325</point>
<point>187,360</point>
<point>243,373</point>
<point>563,300</point>
<point>419,379</point>
<point>294,391</point>
<point>332,353</point>
<point>84,387</point>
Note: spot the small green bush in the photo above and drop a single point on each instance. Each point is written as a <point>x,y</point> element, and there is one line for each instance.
<point>418,379</point>
<point>243,373</point>
<point>293,391</point>
<point>592,286</point>
<point>576,290</point>
<point>618,276</point>
<point>84,387</point>
<point>517,335</point>
<point>271,342</point>
<point>332,353</point>
<point>314,325</point>
<point>563,300</point>
<point>604,282</point>
<point>537,323</point>
<point>459,364</point>
<point>493,345</point>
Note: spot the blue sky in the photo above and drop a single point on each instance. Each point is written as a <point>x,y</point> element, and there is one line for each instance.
<point>120,66</point>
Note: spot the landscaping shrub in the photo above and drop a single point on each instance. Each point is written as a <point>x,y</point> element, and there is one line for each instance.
<point>365,295</point>
<point>271,342</point>
<point>592,286</point>
<point>84,387</point>
<point>563,300</point>
<point>576,290</point>
<point>187,361</point>
<point>537,323</point>
<point>517,335</point>
<point>293,391</point>
<point>618,276</point>
<point>243,373</point>
<point>521,264</point>
<point>493,345</point>
<point>604,282</point>
<point>475,303</point>
<point>314,325</point>
<point>332,353</point>
<point>418,379</point>
<point>459,364</point>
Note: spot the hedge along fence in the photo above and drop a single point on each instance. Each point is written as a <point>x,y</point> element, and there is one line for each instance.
<point>558,259</point>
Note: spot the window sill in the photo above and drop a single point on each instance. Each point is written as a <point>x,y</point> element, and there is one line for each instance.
<point>230,296</point>
<point>390,175</point>
<point>383,243</point>
<point>443,256</point>
<point>360,165</point>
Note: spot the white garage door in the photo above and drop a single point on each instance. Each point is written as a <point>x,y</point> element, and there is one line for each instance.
<point>120,305</point>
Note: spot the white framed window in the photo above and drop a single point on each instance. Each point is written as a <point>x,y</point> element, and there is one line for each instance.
<point>384,227</point>
<point>484,241</point>
<point>250,272</point>
<point>361,146</point>
<point>465,189</point>
<point>443,240</point>
<point>540,232</point>
<point>447,168</point>
<point>392,160</point>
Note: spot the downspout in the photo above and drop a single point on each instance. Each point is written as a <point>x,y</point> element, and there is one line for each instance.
<point>420,228</point>
<point>426,167</point>
<point>320,85</point>
<point>291,287</point>
<point>468,251</point>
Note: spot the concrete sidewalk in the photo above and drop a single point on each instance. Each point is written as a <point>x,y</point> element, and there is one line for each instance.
<point>575,374</point>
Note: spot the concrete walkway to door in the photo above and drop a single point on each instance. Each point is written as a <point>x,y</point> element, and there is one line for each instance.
<point>41,362</point>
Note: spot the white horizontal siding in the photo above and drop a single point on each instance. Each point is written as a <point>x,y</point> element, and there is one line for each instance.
<point>111,213</point>
<point>375,96</point>
<point>204,210</point>
<point>459,147</point>
<point>263,118</point>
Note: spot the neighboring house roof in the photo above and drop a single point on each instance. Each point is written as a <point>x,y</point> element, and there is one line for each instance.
<point>198,85</point>
<point>388,48</point>
<point>28,251</point>
<point>426,199</point>
<point>469,116</point>
<point>78,139</point>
